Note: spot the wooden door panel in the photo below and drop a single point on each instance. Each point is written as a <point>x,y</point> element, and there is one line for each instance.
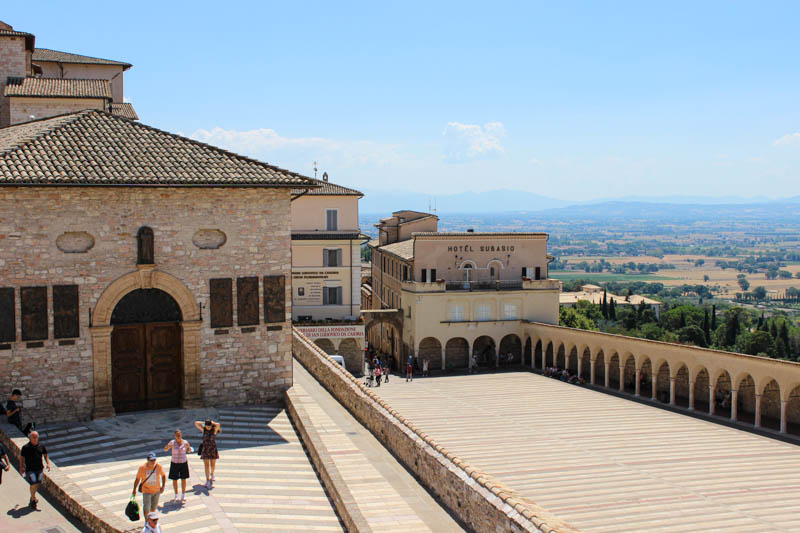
<point>164,365</point>
<point>128,368</point>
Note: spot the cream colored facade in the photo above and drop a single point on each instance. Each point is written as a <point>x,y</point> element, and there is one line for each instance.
<point>459,297</point>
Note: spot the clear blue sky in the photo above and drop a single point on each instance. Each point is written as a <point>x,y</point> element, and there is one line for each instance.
<point>568,99</point>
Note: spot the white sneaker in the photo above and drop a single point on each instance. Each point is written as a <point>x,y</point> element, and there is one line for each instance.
<point>177,498</point>
<point>183,498</point>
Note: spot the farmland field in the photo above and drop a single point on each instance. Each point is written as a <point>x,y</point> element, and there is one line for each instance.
<point>569,275</point>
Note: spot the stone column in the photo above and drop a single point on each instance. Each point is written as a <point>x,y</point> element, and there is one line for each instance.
<point>712,408</point>
<point>691,396</point>
<point>497,359</point>
<point>580,365</point>
<point>757,413</point>
<point>101,365</point>
<point>734,404</point>
<point>444,359</point>
<point>671,390</point>
<point>621,378</point>
<point>591,370</point>
<point>783,416</point>
<point>638,384</point>
<point>653,388</point>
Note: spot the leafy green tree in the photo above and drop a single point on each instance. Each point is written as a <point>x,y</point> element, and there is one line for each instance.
<point>731,327</point>
<point>589,310</point>
<point>797,274</point>
<point>705,277</point>
<point>612,310</point>
<point>571,318</point>
<point>743,283</point>
<point>781,349</point>
<point>772,273</point>
<point>706,327</point>
<point>773,329</point>
<point>760,293</point>
<point>713,318</point>
<point>692,335</point>
<point>784,274</point>
<point>755,343</point>
<point>652,331</point>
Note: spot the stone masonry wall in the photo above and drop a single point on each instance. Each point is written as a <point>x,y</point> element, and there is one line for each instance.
<point>12,64</point>
<point>22,108</point>
<point>479,501</point>
<point>235,368</point>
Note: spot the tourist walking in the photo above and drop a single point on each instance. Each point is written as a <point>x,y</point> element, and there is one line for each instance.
<point>14,410</point>
<point>208,449</point>
<point>31,466</point>
<point>410,369</point>
<point>151,526</point>
<point>378,373</point>
<point>150,481</point>
<point>179,467</point>
<point>425,367</point>
<point>4,462</point>
<point>385,370</point>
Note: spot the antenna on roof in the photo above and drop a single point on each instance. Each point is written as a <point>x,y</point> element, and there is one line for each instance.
<point>432,209</point>
<point>315,170</point>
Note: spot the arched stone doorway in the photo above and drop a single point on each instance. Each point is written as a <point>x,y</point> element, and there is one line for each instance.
<point>722,395</point>
<point>527,353</point>
<point>353,356</point>
<point>456,353</point>
<point>701,391</point>
<point>600,370</point>
<point>586,365</point>
<point>662,383</point>
<point>431,349</point>
<point>146,369</point>
<point>548,356</point>
<point>629,375</point>
<point>572,361</point>
<point>511,344</point>
<point>145,277</point>
<point>746,400</point>
<point>326,345</point>
<point>537,355</point>
<point>771,406</point>
<point>682,386</point>
<point>561,362</point>
<point>484,351</point>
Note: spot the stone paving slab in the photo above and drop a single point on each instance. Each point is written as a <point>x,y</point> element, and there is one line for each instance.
<point>603,463</point>
<point>265,481</point>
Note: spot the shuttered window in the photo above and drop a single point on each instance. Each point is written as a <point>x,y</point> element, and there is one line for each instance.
<point>332,219</point>
<point>332,296</point>
<point>34,313</point>
<point>332,257</point>
<point>65,311</point>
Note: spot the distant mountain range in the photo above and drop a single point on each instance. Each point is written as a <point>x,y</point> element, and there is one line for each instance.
<point>504,201</point>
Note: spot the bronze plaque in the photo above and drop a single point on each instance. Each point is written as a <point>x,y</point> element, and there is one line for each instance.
<point>65,311</point>
<point>34,313</point>
<point>274,299</point>
<point>221,302</point>
<point>8,327</point>
<point>247,301</point>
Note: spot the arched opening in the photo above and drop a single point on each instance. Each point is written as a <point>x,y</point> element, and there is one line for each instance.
<point>537,355</point>
<point>722,395</point>
<point>662,383</point>
<point>646,378</point>
<point>701,390</point>
<point>456,353</point>
<point>793,412</point>
<point>527,354</point>
<point>561,362</point>
<point>600,370</point>
<point>511,349</point>
<point>771,406</point>
<point>353,356</point>
<point>146,352</point>
<point>682,386</point>
<point>572,361</point>
<point>326,345</point>
<point>430,349</point>
<point>484,351</point>
<point>746,400</point>
<point>586,365</point>
<point>629,375</point>
<point>548,356</point>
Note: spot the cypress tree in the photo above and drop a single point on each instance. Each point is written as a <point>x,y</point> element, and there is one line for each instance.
<point>683,321</point>
<point>773,329</point>
<point>612,310</point>
<point>760,325</point>
<point>706,327</point>
<point>713,318</point>
<point>605,305</point>
<point>785,334</point>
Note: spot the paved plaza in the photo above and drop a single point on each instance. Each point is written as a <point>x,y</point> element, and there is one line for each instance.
<point>265,481</point>
<point>604,463</point>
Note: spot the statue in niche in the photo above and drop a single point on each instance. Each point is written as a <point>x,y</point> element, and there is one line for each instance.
<point>144,248</point>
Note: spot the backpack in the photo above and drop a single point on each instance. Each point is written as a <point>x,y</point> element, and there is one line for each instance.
<point>132,509</point>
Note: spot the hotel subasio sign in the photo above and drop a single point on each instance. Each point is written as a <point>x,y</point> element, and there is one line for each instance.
<point>482,248</point>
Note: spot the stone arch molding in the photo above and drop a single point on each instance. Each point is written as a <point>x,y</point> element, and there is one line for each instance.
<point>145,277</point>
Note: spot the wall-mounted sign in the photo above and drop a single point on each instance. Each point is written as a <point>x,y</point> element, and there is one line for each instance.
<point>332,332</point>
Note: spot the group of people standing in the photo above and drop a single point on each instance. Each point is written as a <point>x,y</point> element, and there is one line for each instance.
<point>151,480</point>
<point>376,370</point>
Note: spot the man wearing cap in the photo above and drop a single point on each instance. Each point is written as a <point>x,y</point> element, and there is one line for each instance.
<point>152,525</point>
<point>148,483</point>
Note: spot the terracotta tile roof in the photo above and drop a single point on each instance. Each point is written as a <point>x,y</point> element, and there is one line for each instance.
<point>402,249</point>
<point>95,148</point>
<point>45,54</point>
<point>57,88</point>
<point>12,33</point>
<point>326,188</point>
<point>124,110</point>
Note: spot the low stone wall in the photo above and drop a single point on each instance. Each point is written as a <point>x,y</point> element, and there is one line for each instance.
<point>336,486</point>
<point>479,501</point>
<point>74,499</point>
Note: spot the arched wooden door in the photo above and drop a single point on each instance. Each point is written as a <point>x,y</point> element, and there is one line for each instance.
<point>146,352</point>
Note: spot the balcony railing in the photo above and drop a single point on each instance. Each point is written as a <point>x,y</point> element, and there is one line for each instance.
<point>486,285</point>
<point>482,285</point>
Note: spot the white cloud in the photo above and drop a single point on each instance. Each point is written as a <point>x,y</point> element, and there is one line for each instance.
<point>465,142</point>
<point>298,153</point>
<point>787,140</point>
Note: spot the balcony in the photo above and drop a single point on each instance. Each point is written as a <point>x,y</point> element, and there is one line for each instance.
<point>481,286</point>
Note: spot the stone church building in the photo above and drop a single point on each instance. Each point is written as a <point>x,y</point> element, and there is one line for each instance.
<point>140,269</point>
